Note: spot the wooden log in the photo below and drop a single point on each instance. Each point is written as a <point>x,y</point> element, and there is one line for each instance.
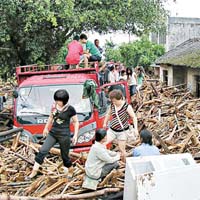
<point>15,142</point>
<point>53,187</point>
<point>108,177</point>
<point>152,101</point>
<point>13,197</point>
<point>17,155</point>
<point>173,87</point>
<point>154,90</point>
<point>172,133</point>
<point>66,187</point>
<point>57,151</point>
<point>34,185</point>
<point>161,142</point>
<point>10,132</point>
<point>85,195</point>
<point>80,167</point>
<point>194,139</point>
<point>53,150</point>
<point>186,142</point>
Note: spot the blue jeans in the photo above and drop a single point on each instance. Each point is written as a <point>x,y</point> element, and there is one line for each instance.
<point>132,89</point>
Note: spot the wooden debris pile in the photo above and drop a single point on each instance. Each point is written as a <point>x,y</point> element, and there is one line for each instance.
<point>6,114</point>
<point>173,116</point>
<point>16,160</point>
<point>171,113</point>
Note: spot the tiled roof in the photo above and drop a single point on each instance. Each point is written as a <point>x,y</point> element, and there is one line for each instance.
<point>186,54</point>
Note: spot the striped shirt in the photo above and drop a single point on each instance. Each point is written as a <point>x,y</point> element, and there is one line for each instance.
<point>124,117</point>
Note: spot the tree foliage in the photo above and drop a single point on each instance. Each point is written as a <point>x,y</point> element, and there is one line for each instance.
<point>141,52</point>
<point>34,30</point>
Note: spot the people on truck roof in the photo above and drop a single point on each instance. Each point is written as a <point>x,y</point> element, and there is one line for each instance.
<point>75,53</point>
<point>92,52</point>
<point>96,42</point>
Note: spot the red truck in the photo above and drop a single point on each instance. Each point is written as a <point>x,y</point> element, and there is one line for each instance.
<point>34,99</point>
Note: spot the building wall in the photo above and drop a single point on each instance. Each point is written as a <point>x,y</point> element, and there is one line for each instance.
<point>181,29</point>
<point>191,79</point>
<point>181,75</point>
<point>170,74</point>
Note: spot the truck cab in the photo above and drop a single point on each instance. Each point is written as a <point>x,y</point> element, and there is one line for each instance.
<point>36,87</point>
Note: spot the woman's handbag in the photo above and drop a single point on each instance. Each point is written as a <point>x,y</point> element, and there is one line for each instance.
<point>130,133</point>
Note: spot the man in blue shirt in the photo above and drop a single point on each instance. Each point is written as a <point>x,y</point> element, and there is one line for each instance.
<point>146,148</point>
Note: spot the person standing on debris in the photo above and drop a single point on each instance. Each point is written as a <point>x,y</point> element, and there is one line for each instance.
<point>146,148</point>
<point>140,77</point>
<point>120,111</point>
<point>123,76</point>
<point>75,53</point>
<point>92,52</point>
<point>111,76</point>
<point>132,81</point>
<point>59,118</point>
<point>100,161</point>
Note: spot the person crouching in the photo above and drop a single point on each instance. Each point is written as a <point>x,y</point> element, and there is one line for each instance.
<point>100,161</point>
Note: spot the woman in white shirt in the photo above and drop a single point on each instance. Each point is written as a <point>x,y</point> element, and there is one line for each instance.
<point>112,76</point>
<point>132,80</point>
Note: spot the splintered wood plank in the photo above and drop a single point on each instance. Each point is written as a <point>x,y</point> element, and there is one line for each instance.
<point>15,142</point>
<point>53,187</point>
<point>162,143</point>
<point>186,142</point>
<point>34,185</point>
<point>108,177</point>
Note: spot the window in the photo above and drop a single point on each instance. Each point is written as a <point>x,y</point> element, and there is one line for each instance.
<point>38,100</point>
<point>165,77</point>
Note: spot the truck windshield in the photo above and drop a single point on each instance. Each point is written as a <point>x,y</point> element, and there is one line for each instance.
<point>38,100</point>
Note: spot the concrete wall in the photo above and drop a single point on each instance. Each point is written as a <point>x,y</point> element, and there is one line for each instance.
<point>180,75</point>
<point>181,29</point>
<point>191,79</point>
<point>170,74</point>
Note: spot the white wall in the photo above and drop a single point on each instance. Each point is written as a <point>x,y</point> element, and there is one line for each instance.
<point>191,79</point>
<point>181,29</point>
<point>170,74</point>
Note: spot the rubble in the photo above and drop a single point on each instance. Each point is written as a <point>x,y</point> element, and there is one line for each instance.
<point>6,114</point>
<point>16,163</point>
<point>173,116</point>
<point>171,113</point>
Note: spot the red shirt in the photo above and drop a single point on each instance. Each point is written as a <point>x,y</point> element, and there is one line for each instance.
<point>75,50</point>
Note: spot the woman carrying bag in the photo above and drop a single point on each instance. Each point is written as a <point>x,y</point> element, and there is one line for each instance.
<point>120,111</point>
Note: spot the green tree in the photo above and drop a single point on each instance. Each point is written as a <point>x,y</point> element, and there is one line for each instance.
<point>112,52</point>
<point>35,30</point>
<point>140,52</point>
